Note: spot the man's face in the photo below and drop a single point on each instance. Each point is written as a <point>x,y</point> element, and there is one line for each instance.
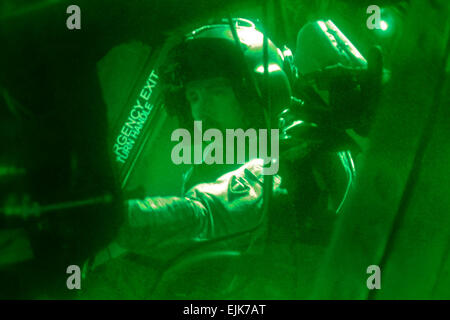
<point>214,103</point>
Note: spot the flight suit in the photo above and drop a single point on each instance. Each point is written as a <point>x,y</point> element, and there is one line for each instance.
<point>163,226</point>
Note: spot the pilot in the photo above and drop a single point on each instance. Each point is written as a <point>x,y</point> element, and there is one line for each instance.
<point>215,74</point>
<point>207,77</point>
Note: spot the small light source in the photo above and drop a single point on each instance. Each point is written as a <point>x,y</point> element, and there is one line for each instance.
<point>272,67</point>
<point>322,26</point>
<point>287,52</point>
<point>383,25</point>
<point>250,37</point>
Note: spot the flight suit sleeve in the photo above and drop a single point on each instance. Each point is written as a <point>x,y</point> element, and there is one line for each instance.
<point>229,205</point>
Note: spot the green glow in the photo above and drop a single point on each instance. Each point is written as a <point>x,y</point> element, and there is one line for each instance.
<point>322,26</point>
<point>347,42</point>
<point>250,37</point>
<point>383,25</point>
<point>136,120</point>
<point>272,67</point>
<point>11,171</point>
<point>287,52</point>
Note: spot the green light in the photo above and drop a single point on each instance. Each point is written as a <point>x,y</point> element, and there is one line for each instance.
<point>272,67</point>
<point>250,37</point>
<point>136,120</point>
<point>383,25</point>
